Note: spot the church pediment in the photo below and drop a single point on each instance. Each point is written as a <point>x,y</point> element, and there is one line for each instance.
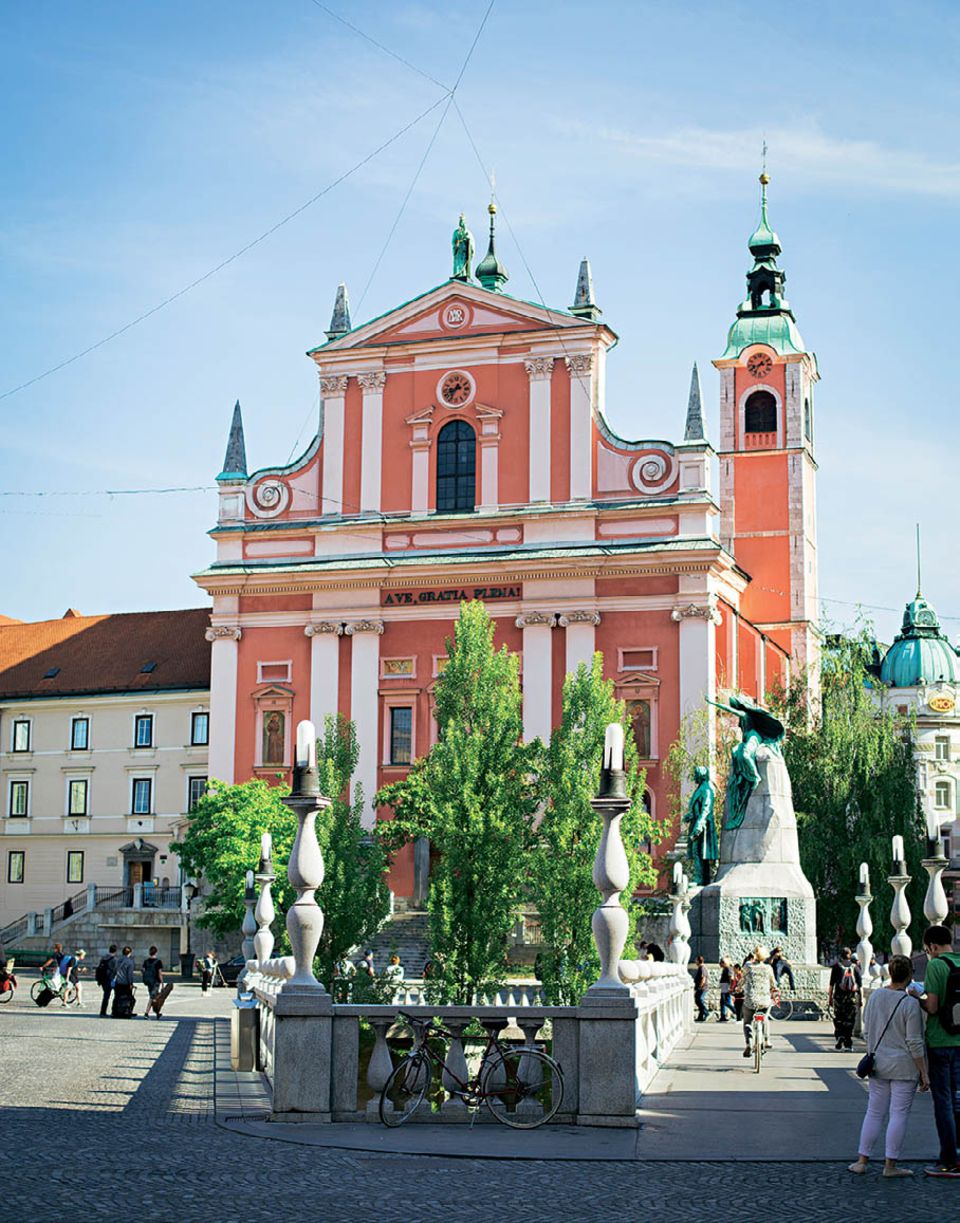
<point>451,310</point>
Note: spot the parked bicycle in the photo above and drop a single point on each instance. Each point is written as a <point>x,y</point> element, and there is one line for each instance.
<point>8,982</point>
<point>65,991</point>
<point>522,1087</point>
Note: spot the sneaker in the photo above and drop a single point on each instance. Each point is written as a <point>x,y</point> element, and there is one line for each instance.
<point>839,1045</point>
<point>748,1053</point>
<point>941,1170</point>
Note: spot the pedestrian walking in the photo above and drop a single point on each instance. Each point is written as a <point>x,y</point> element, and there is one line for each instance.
<point>726,996</point>
<point>123,985</point>
<point>736,989</point>
<point>844,994</point>
<point>151,974</point>
<point>208,966</point>
<point>701,982</point>
<point>893,1031</point>
<point>941,1001</point>
<point>75,971</point>
<point>395,971</point>
<point>365,966</point>
<point>106,971</point>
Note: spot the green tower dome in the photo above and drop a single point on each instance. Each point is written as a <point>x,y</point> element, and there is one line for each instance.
<point>920,652</point>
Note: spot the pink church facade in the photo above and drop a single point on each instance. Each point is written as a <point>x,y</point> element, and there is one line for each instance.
<point>463,452</point>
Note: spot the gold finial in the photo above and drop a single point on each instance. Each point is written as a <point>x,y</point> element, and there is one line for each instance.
<point>492,208</point>
<point>764,179</point>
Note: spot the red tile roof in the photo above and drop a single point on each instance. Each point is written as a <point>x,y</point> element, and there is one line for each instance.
<point>105,653</point>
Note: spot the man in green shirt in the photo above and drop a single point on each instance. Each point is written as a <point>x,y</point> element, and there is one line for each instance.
<point>943,1048</point>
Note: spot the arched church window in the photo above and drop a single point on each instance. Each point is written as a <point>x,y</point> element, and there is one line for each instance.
<point>760,413</point>
<point>456,467</point>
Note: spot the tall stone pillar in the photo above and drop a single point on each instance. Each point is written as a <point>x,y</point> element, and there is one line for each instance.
<point>537,674</point>
<point>372,385</point>
<point>581,426</point>
<point>698,620</point>
<point>224,639</point>
<point>324,638</point>
<point>365,705</point>
<point>333,391</point>
<point>540,371</point>
<point>581,634</point>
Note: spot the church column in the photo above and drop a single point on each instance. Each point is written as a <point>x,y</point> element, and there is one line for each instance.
<point>488,420</point>
<point>537,674</point>
<point>324,670</point>
<point>581,637</point>
<point>372,385</point>
<point>581,426</point>
<point>540,371</point>
<point>697,621</point>
<point>364,705</point>
<point>224,639</point>
<point>333,391</point>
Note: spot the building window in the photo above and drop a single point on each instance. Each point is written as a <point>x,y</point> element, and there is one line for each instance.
<point>760,413</point>
<point>401,734</point>
<point>638,658</point>
<point>808,420</point>
<point>196,788</point>
<point>21,735</point>
<point>77,798</point>
<point>74,866</point>
<point>16,859</point>
<point>941,748</point>
<point>398,668</point>
<point>142,795</point>
<point>640,717</point>
<point>456,467</point>
<point>143,730</point>
<point>19,798</point>
<point>199,729</point>
<point>941,795</point>
<point>273,672</point>
<point>79,734</point>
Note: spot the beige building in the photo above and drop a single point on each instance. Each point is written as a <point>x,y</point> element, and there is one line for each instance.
<point>104,727</point>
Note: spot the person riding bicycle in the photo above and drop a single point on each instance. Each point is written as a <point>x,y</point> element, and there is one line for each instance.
<point>758,987</point>
<point>60,961</point>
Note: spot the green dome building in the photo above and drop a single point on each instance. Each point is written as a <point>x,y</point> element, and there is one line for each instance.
<point>921,654</point>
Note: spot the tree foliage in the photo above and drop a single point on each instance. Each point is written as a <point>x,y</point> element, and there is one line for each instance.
<point>474,796</point>
<point>222,843</point>
<point>852,764</point>
<point>568,833</point>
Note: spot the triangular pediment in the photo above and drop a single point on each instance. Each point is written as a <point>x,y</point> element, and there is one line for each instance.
<point>450,311</point>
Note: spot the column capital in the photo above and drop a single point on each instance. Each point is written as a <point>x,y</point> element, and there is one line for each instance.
<point>374,380</point>
<point>224,632</point>
<point>323,626</point>
<point>333,386</point>
<point>535,619</point>
<point>578,617</point>
<point>364,626</point>
<point>539,367</point>
<point>580,363</point>
<point>697,611</point>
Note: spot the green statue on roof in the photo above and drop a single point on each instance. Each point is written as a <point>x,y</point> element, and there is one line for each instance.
<point>758,727</point>
<point>463,250</point>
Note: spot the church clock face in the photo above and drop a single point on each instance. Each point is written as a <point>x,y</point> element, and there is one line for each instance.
<point>760,365</point>
<point>456,389</point>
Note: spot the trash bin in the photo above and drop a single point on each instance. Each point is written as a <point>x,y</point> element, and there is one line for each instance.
<point>244,1034</point>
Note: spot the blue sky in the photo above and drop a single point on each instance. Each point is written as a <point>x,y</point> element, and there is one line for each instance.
<point>143,144</point>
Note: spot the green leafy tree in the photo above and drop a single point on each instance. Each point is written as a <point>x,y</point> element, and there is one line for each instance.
<point>568,833</point>
<point>474,796</point>
<point>222,843</point>
<point>852,764</point>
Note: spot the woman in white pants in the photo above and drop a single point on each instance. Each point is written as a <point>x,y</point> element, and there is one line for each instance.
<point>893,1031</point>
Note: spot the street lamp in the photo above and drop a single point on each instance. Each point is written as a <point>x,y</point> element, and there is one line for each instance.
<point>190,889</point>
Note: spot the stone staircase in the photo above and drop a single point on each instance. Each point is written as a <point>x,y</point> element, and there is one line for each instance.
<point>406,935</point>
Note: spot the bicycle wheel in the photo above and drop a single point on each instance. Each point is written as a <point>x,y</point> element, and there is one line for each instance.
<point>783,1009</point>
<point>523,1088</point>
<point>404,1090</point>
<point>758,1038</point>
<point>7,995</point>
<point>68,995</point>
<point>37,988</point>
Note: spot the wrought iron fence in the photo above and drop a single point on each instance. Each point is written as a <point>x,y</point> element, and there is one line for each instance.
<point>114,898</point>
<point>73,904</point>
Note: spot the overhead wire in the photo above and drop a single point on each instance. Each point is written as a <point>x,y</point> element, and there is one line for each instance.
<point>368,38</point>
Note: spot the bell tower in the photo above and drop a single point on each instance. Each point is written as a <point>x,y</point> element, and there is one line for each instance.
<point>766,452</point>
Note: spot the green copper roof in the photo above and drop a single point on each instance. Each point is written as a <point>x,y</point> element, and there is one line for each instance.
<point>778,330</point>
<point>763,236</point>
<point>490,271</point>
<point>920,652</point>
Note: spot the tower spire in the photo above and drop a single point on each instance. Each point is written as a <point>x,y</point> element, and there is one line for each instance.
<point>694,427</point>
<point>919,595</point>
<point>235,460</point>
<point>340,319</point>
<point>585,304</point>
<point>490,271</point>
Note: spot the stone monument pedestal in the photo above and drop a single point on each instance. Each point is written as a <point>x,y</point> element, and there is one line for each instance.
<point>760,894</point>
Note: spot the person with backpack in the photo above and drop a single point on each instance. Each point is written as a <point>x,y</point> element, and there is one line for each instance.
<point>151,974</point>
<point>893,1032</point>
<point>701,982</point>
<point>106,971</point>
<point>74,973</point>
<point>941,1000</point>
<point>123,986</point>
<point>846,983</point>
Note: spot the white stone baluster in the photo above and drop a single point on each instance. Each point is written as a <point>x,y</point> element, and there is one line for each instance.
<point>611,871</point>
<point>455,1063</point>
<point>380,1066</point>
<point>265,911</point>
<point>679,950</point>
<point>901,943</point>
<point>935,906</point>
<point>248,929</point>
<point>305,868</point>
<point>530,1068</point>
<point>864,924</point>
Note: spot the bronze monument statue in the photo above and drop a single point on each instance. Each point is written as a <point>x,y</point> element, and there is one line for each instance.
<point>463,249</point>
<point>757,726</point>
<point>702,834</point>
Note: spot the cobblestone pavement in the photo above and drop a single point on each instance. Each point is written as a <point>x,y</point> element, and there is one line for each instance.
<point>115,1120</point>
